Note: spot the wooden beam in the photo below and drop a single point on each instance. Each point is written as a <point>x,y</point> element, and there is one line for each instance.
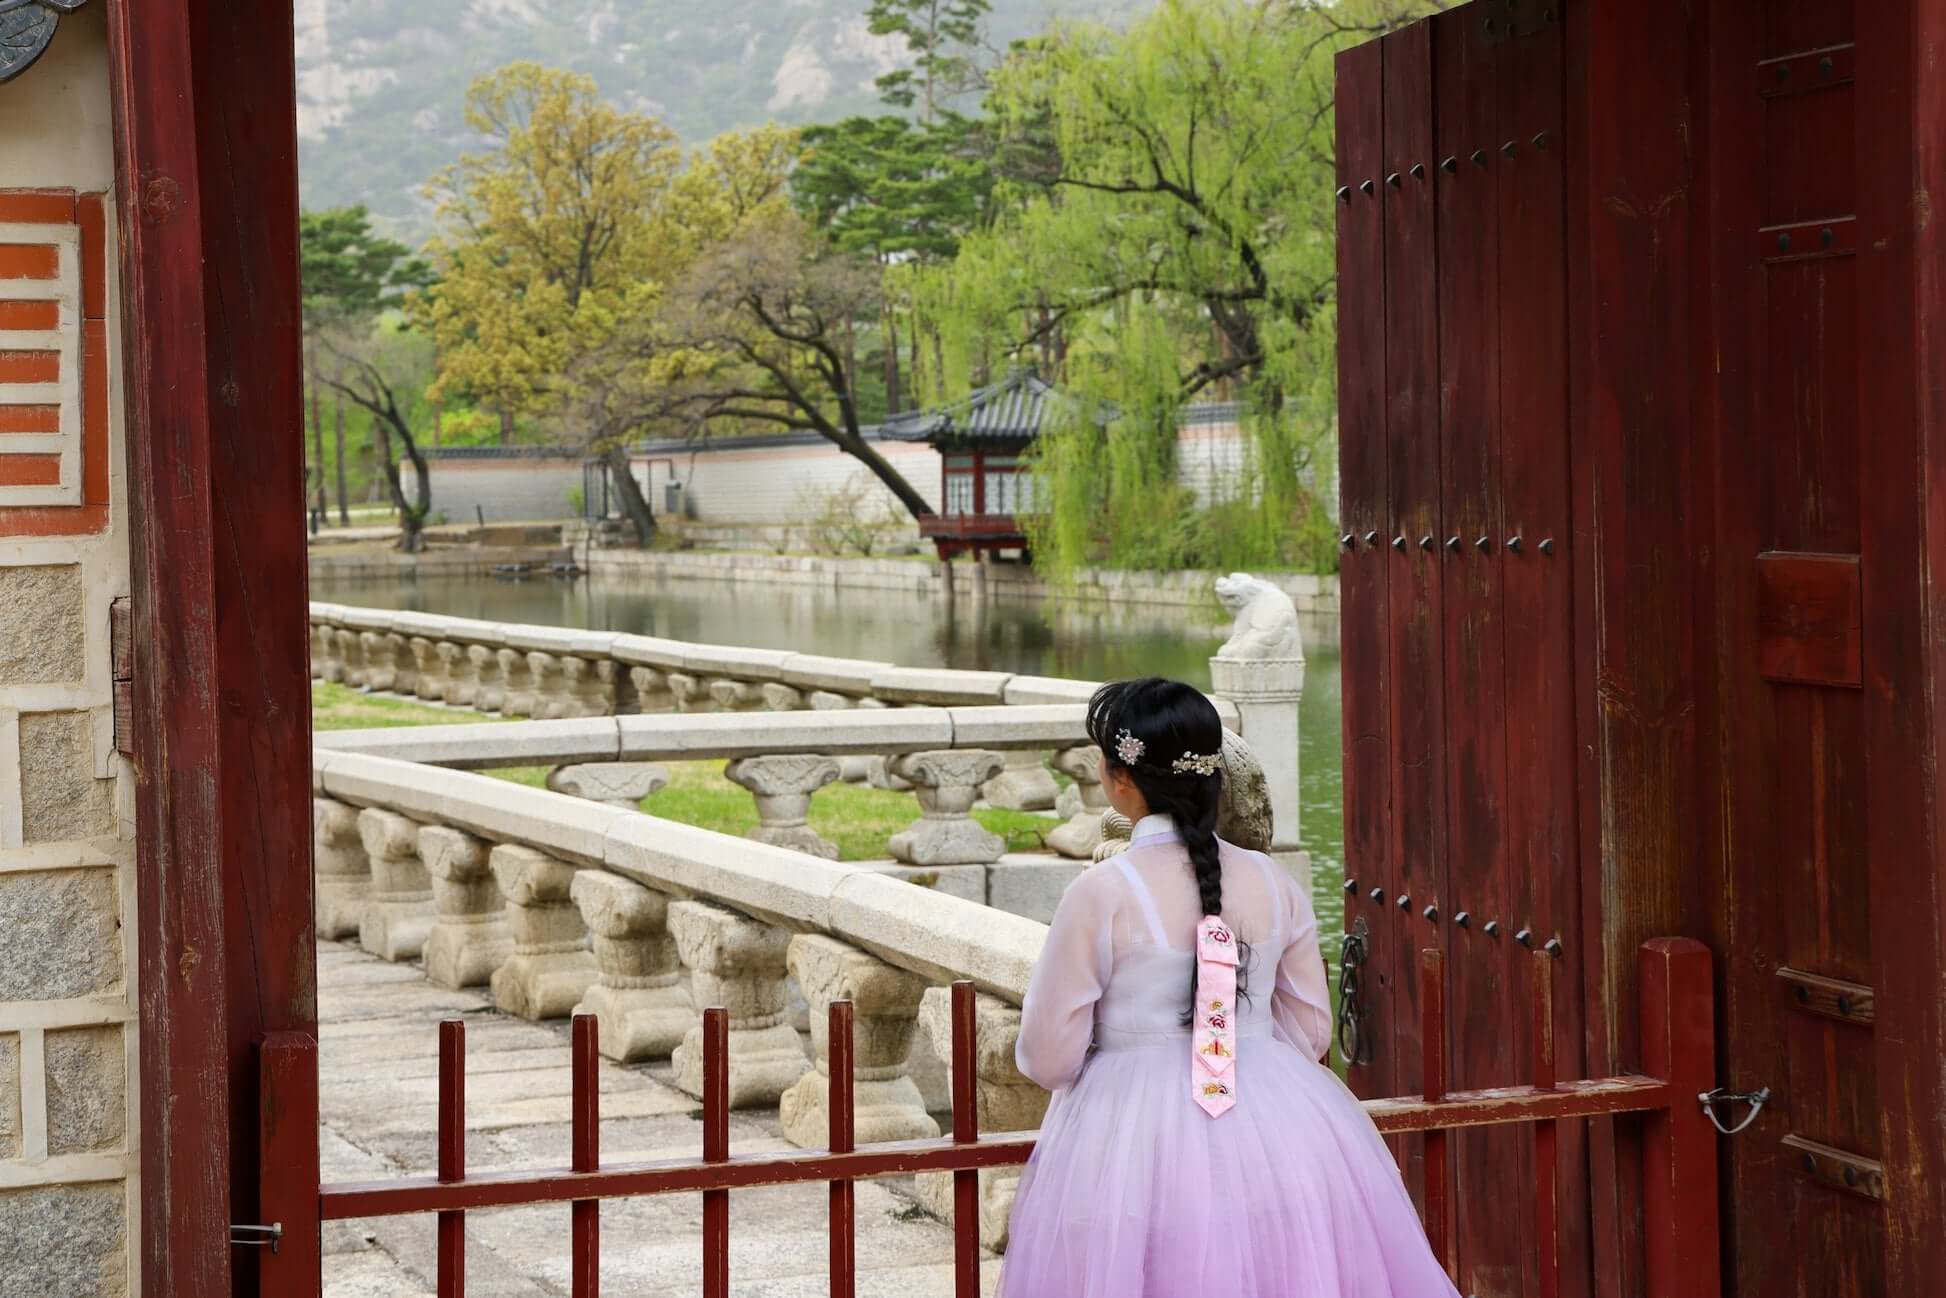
<point>207,187</point>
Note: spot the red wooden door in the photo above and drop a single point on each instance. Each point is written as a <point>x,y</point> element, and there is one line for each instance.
<point>1458,636</point>
<point>1791,502</point>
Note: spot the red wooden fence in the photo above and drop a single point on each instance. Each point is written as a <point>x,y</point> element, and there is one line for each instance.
<point>1679,1160</point>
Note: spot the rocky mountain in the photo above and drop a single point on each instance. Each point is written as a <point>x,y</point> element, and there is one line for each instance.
<point>381,82</point>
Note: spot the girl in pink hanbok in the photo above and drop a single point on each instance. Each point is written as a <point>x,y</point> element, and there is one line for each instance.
<point>1196,1147</point>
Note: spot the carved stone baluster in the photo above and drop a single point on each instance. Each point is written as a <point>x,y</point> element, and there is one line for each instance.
<point>405,669</point>
<point>519,675</point>
<point>489,682</point>
<point>854,769</point>
<point>550,685</point>
<point>591,686</point>
<point>737,963</point>
<point>1025,784</point>
<point>686,692</point>
<point>783,787</point>
<point>885,1004</point>
<point>779,697</point>
<point>948,784</point>
<point>381,661</point>
<point>733,696</point>
<point>651,690</point>
<point>461,676</point>
<point>616,784</point>
<point>550,968</point>
<point>428,669</point>
<point>398,913</point>
<point>469,938</point>
<point>344,876</point>
<point>322,655</point>
<point>1078,838</point>
<point>1004,1099</point>
<point>351,656</point>
<point>639,1000</point>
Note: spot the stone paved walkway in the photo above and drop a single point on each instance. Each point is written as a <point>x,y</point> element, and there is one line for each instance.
<point>378,1093</point>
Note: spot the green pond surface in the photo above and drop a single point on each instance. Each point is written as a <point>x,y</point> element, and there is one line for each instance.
<point>1078,639</point>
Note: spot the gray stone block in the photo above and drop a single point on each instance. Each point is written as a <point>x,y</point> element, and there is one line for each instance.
<point>59,934</point>
<point>9,1095</point>
<point>60,798</point>
<point>87,1081</point>
<point>41,640</point>
<point>1030,887</point>
<point>66,1240</point>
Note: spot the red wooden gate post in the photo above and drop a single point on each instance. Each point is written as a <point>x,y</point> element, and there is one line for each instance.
<point>1432,1058</point>
<point>451,1275</point>
<point>287,1073</point>
<point>1679,1146</point>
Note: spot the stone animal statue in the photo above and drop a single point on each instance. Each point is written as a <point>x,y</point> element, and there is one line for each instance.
<point>1266,620</point>
<point>1243,818</point>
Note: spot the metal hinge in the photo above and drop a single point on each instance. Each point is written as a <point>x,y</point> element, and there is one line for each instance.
<point>257,1236</point>
<point>121,654</point>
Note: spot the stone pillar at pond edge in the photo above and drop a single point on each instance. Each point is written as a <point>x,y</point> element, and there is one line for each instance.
<point>489,682</point>
<point>639,1001</point>
<point>326,665</point>
<point>885,1002</point>
<point>1078,838</point>
<point>1025,784</point>
<point>948,782</point>
<point>551,968</point>
<point>469,937</point>
<point>614,784</point>
<point>1261,669</point>
<point>398,914</point>
<point>1004,1099</point>
<point>344,876</point>
<point>351,658</point>
<point>783,787</point>
<point>737,963</point>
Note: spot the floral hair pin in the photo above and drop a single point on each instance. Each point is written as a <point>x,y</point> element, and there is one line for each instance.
<point>1200,763</point>
<point>1129,749</point>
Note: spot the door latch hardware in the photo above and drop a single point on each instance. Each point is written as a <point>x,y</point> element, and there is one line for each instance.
<point>1755,1099</point>
<point>257,1236</point>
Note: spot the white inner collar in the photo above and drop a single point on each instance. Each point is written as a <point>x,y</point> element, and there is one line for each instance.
<point>1153,826</point>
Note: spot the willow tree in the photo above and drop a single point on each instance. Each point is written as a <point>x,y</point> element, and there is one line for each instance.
<point>1164,234</point>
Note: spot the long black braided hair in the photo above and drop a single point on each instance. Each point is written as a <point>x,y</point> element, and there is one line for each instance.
<point>1170,722</point>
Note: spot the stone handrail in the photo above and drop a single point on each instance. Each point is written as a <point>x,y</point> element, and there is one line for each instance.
<point>556,672</point>
<point>939,936</point>
<point>675,738</point>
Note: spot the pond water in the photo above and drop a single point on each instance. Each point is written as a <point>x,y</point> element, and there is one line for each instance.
<point>1081,639</point>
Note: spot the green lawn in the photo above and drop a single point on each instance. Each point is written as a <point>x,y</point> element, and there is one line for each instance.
<point>858,819</point>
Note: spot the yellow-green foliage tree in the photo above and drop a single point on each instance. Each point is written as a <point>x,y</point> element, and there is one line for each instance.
<point>546,238</point>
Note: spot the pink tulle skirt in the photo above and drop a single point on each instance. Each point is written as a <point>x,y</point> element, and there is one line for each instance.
<point>1134,1191</point>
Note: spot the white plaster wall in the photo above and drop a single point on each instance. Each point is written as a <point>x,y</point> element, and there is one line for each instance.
<point>67,904</point>
<point>777,484</point>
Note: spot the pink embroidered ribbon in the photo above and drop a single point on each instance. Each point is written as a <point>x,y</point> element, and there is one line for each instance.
<point>1213,1037</point>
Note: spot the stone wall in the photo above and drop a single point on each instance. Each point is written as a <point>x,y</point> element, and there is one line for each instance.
<point>1315,597</point>
<point>513,489</point>
<point>68,1131</point>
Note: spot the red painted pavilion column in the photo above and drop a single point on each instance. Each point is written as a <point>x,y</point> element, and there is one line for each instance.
<point>207,176</point>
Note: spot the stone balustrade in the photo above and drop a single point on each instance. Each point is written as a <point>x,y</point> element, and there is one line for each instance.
<point>555,672</point>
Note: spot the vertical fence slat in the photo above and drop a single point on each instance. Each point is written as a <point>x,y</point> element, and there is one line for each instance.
<point>287,1075</point>
<point>585,1223</point>
<point>1432,1058</point>
<point>1679,1144</point>
<point>716,1149</point>
<point>452,1154</point>
<point>1547,1208</point>
<point>966,1131</point>
<point>841,1107</point>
